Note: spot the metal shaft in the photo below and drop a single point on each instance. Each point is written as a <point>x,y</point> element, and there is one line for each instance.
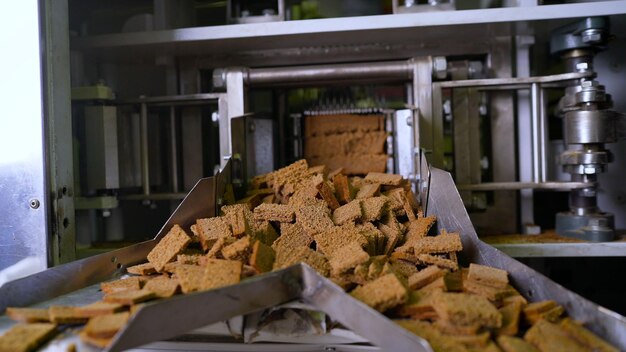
<point>539,133</point>
<point>143,137</point>
<point>388,71</point>
<point>173,150</point>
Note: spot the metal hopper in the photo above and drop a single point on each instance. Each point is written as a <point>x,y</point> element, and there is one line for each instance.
<point>76,283</point>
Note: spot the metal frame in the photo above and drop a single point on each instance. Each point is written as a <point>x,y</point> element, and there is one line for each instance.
<point>203,308</point>
<point>173,101</point>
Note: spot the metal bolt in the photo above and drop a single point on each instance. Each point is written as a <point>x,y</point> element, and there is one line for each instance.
<point>34,203</point>
<point>440,67</point>
<point>106,213</point>
<point>215,117</point>
<point>409,120</point>
<point>251,127</point>
<point>589,83</point>
<point>219,78</point>
<point>220,201</point>
<point>582,66</point>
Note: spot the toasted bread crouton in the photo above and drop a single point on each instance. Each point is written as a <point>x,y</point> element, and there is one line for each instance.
<point>535,311</point>
<point>466,310</point>
<point>383,179</point>
<point>95,341</point>
<point>444,243</point>
<point>418,306</point>
<point>335,172</point>
<point>141,269</point>
<point>424,277</point>
<point>264,232</point>
<point>515,344</point>
<point>489,292</point>
<point>220,272</point>
<point>383,293</point>
<point>324,190</point>
<point>128,284</point>
<point>438,341</point>
<point>26,337</point>
<point>342,188</point>
<point>586,337</point>
<point>211,229</point>
<point>262,257</point>
<point>106,326</point>
<point>216,250</point>
<point>510,319</point>
<point>99,308</point>
<point>402,268</point>
<point>274,212</point>
<point>239,250</point>
<point>66,315</point>
<point>292,236</point>
<point>473,340</point>
<point>347,257</point>
<point>397,198</point>
<point>419,228</point>
<point>314,219</point>
<point>336,237</point>
<point>428,259</point>
<point>488,276</point>
<point>547,336</point>
<point>374,208</point>
<point>163,286</point>
<point>190,277</point>
<point>239,219</point>
<point>129,297</point>
<point>286,257</point>
<point>350,212</point>
<point>28,315</point>
<point>174,242</point>
<point>368,191</point>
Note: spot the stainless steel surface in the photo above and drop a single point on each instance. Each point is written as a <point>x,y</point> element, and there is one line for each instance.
<point>154,196</point>
<point>541,250</point>
<point>515,82</point>
<point>403,147</point>
<point>373,71</point>
<point>428,133</point>
<point>452,216</point>
<point>101,148</point>
<point>57,107</point>
<point>23,229</point>
<point>539,133</point>
<point>330,32</point>
<point>595,126</point>
<point>495,186</point>
<point>235,106</point>
<point>144,149</point>
<point>69,277</point>
<point>172,317</point>
<point>199,98</point>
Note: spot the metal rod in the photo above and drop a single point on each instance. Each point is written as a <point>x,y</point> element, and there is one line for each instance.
<point>543,136</point>
<point>535,121</point>
<point>390,70</point>
<point>173,151</point>
<point>515,81</point>
<point>143,138</point>
<point>498,186</point>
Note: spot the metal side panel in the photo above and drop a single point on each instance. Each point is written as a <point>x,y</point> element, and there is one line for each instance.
<point>56,281</point>
<point>175,316</point>
<point>446,203</point>
<point>357,316</point>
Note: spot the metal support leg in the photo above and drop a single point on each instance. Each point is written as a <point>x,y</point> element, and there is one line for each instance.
<point>235,107</point>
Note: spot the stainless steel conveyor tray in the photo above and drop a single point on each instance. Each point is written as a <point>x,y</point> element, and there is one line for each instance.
<point>77,282</point>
